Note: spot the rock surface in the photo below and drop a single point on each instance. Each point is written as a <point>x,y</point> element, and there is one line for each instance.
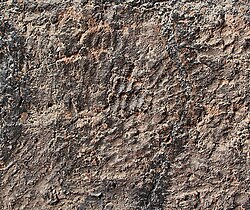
<point>133,104</point>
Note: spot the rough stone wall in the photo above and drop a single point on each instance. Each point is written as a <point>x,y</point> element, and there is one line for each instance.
<point>133,104</point>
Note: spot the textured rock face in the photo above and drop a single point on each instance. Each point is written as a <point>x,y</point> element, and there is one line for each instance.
<point>124,104</point>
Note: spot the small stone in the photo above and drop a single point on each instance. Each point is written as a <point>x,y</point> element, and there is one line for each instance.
<point>97,195</point>
<point>54,19</point>
<point>109,206</point>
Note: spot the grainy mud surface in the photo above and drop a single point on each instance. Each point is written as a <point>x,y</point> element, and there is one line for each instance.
<point>124,105</point>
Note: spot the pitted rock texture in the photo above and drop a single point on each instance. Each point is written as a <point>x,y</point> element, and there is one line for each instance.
<point>132,104</point>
